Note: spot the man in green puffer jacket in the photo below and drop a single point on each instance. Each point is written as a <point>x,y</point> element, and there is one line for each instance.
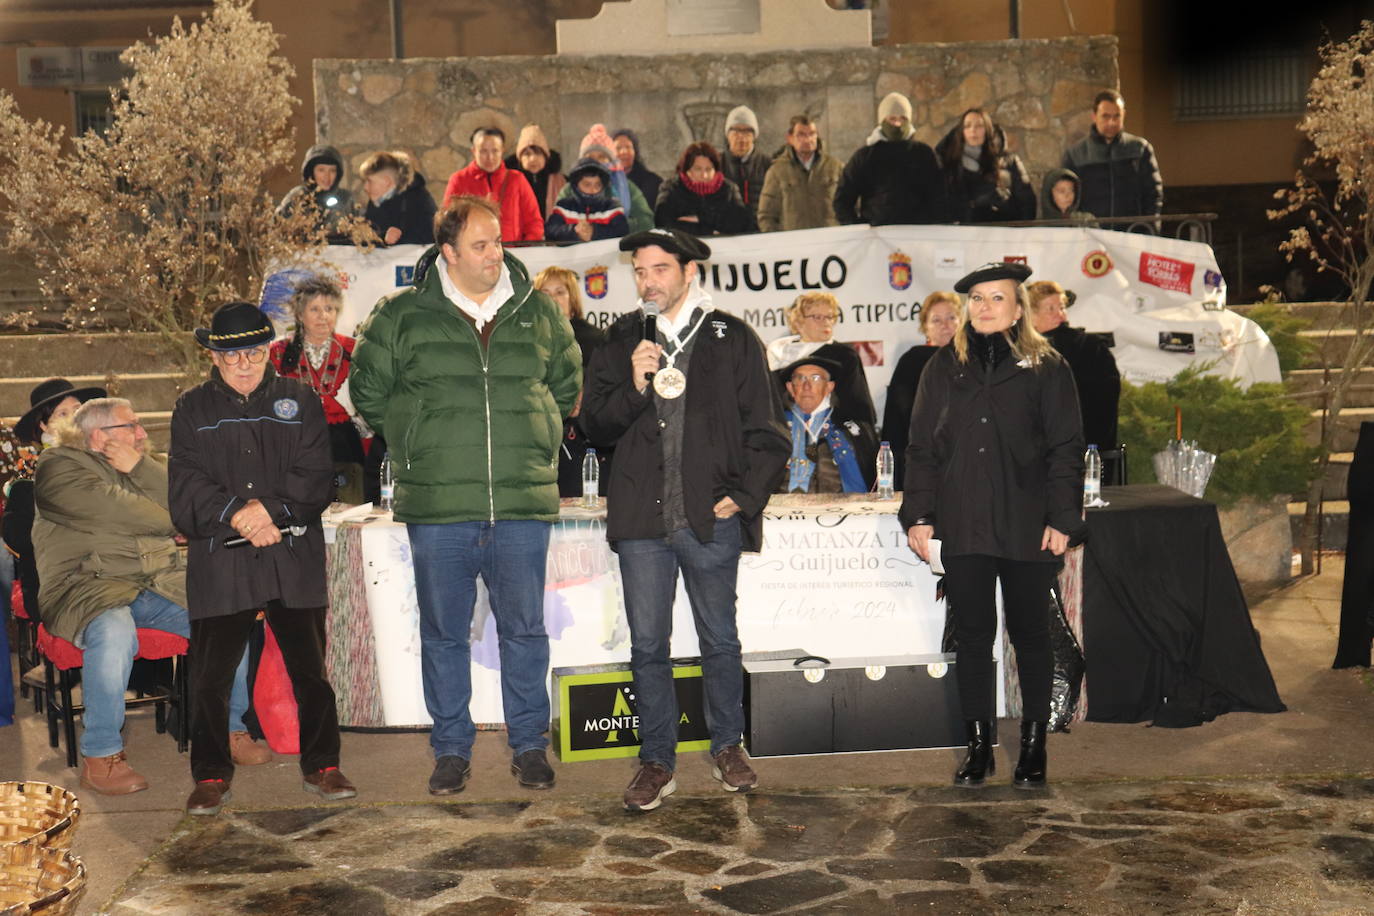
<point>468,375</point>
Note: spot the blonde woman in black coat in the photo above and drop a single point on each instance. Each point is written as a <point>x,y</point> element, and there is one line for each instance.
<point>994,470</point>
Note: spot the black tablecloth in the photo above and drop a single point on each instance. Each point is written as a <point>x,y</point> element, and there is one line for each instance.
<point>1166,630</point>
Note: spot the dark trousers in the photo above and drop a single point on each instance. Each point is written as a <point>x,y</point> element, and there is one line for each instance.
<point>970,581</point>
<point>217,645</point>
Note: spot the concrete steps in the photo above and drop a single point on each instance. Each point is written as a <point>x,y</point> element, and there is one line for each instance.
<point>26,309</point>
<point>140,367</point>
<point>40,356</point>
<point>1330,346</point>
<point>1335,519</point>
<point>1347,427</point>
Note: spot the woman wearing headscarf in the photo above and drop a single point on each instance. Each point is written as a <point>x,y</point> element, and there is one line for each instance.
<point>994,471</point>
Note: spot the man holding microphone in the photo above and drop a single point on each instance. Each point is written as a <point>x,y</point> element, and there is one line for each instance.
<point>689,405</point>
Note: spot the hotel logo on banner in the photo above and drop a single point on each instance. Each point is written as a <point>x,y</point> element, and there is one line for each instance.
<point>596,282</point>
<point>899,270</point>
<point>1166,273</point>
<point>1097,264</point>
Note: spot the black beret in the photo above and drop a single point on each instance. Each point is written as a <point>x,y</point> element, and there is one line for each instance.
<point>680,243</point>
<point>995,270</point>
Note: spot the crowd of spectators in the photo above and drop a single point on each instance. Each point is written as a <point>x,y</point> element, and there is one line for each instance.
<point>733,185</point>
<point>971,176</point>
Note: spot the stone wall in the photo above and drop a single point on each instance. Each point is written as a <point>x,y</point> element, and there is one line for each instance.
<point>1038,90</point>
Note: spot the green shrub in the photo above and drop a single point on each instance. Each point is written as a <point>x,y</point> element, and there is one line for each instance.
<point>1256,433</point>
<point>1283,326</point>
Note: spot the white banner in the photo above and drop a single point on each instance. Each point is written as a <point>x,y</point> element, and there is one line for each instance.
<point>1160,297</point>
<point>839,583</point>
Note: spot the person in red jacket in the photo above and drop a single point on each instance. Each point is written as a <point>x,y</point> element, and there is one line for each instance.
<point>487,176</point>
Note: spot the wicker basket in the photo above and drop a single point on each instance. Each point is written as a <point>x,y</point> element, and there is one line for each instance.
<point>39,881</point>
<point>38,814</point>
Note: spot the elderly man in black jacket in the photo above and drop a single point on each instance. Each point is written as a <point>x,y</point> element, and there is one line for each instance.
<point>250,474</point>
<point>700,444</point>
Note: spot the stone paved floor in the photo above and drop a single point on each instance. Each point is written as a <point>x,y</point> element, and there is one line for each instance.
<point>1250,848</point>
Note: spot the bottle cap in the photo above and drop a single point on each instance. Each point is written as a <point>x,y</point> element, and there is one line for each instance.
<point>1090,445</point>
<point>885,442</point>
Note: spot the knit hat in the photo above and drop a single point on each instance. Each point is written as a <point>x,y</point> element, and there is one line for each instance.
<point>532,135</point>
<point>597,139</point>
<point>894,103</point>
<point>742,117</point>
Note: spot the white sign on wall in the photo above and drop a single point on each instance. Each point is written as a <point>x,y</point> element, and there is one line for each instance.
<point>63,67</point>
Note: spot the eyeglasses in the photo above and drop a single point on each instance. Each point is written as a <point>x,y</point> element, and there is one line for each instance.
<point>134,425</point>
<point>814,378</point>
<point>234,357</point>
<point>828,318</point>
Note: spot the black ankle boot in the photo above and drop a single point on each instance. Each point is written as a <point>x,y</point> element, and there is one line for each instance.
<point>980,760</point>
<point>1030,768</point>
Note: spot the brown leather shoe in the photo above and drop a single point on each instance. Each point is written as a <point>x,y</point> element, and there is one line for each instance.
<point>246,752</point>
<point>733,770</point>
<point>208,797</point>
<point>652,783</point>
<point>111,775</point>
<point>329,784</point>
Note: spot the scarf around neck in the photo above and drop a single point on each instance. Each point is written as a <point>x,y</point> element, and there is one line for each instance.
<point>702,188</point>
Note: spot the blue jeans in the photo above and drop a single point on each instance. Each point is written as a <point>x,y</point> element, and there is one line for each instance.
<point>109,643</point>
<point>510,556</point>
<point>648,572</point>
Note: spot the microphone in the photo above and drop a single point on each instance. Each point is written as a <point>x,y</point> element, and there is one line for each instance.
<point>296,530</point>
<point>650,328</point>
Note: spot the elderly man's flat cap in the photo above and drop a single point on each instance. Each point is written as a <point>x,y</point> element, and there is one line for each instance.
<point>996,270</point>
<point>674,241</point>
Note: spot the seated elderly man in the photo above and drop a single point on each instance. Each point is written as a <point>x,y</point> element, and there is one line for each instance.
<point>830,453</point>
<point>102,538</point>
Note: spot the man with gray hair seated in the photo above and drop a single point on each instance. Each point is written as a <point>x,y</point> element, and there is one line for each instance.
<point>108,564</point>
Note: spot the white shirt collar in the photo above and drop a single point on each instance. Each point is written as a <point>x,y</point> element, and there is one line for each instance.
<point>480,314</point>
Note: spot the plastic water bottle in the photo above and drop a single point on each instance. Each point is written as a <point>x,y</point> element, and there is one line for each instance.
<point>1092,476</point>
<point>885,471</point>
<point>591,481</point>
<point>387,498</point>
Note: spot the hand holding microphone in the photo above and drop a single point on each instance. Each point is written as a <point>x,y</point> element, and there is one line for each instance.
<point>644,360</point>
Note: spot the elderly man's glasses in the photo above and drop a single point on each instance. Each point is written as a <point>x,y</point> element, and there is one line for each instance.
<point>134,425</point>
<point>814,378</point>
<point>235,357</point>
<point>827,317</point>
